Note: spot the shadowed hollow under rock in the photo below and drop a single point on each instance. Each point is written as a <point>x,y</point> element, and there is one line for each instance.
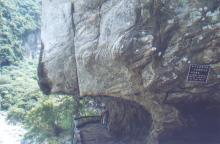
<point>129,123</point>
<point>201,123</point>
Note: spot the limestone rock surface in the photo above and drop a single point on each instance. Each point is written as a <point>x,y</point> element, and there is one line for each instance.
<point>136,50</point>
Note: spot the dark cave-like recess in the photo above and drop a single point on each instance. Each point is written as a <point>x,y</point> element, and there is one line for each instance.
<point>201,124</point>
<point>128,119</point>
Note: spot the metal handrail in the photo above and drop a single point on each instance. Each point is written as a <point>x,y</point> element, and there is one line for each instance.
<point>83,117</point>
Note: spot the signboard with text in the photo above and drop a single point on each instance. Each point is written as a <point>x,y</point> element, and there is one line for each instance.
<point>198,73</point>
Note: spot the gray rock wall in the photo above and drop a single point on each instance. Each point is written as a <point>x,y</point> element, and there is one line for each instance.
<point>58,54</point>
<point>31,43</point>
<point>139,50</point>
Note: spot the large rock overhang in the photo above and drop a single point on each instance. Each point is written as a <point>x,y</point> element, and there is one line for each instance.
<point>57,66</point>
<point>139,50</point>
<point>122,49</point>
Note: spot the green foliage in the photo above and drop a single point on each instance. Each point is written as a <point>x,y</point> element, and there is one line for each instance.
<point>17,17</point>
<point>182,2</point>
<point>45,117</point>
<point>86,109</point>
<point>17,86</point>
<point>51,116</point>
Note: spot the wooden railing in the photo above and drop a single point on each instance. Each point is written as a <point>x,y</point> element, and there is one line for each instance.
<point>82,121</point>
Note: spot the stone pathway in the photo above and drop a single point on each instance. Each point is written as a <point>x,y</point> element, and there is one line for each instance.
<point>97,134</point>
<point>10,134</point>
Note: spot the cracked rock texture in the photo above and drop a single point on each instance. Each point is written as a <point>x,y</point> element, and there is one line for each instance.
<point>136,50</point>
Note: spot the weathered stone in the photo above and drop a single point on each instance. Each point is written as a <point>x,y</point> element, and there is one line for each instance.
<point>132,49</point>
<point>31,43</point>
<point>58,56</point>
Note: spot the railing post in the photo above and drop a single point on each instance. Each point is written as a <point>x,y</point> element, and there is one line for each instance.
<point>75,122</point>
<point>72,130</point>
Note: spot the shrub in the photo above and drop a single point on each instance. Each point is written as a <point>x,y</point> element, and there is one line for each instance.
<point>16,114</point>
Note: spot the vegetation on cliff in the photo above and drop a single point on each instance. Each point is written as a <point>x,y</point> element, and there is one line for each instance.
<point>45,117</point>
<point>17,18</point>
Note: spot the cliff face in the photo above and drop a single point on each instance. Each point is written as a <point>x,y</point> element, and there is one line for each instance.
<point>31,43</point>
<point>138,50</point>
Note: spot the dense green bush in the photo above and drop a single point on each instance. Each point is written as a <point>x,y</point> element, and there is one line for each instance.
<point>17,17</point>
<point>50,117</point>
<point>17,85</point>
<point>45,117</point>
